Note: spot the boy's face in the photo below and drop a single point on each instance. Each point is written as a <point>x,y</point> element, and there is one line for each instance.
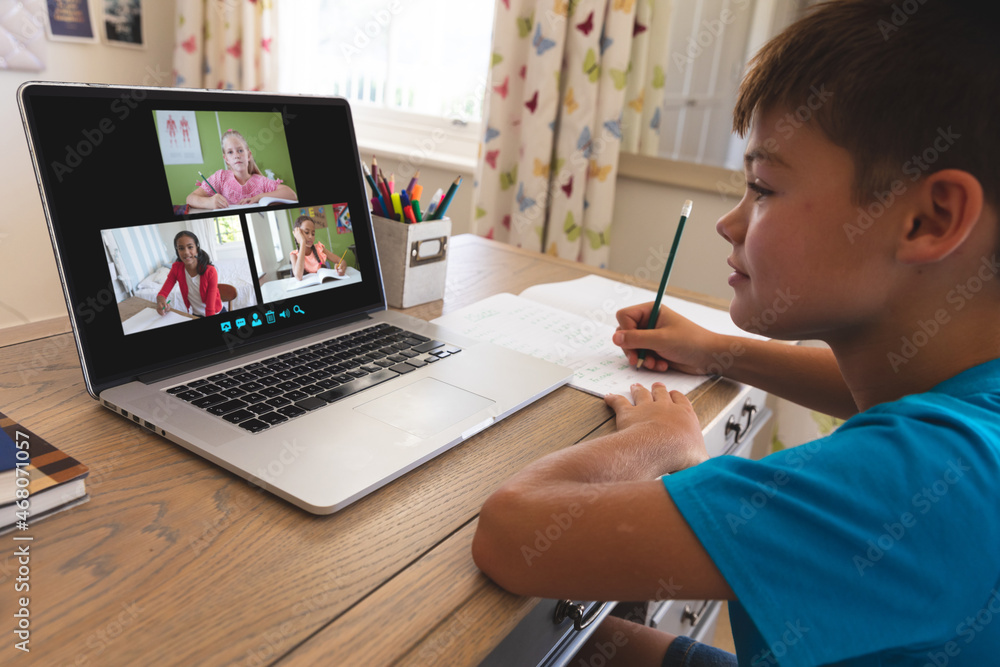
<point>797,273</point>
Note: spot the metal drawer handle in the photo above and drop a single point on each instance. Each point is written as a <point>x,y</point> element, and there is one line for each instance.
<point>694,616</point>
<point>749,410</point>
<point>567,609</point>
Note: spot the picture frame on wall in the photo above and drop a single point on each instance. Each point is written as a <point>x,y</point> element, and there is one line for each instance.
<point>122,23</point>
<point>70,21</point>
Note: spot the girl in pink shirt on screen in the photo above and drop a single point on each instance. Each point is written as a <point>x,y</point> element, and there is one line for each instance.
<point>241,182</point>
<point>311,256</point>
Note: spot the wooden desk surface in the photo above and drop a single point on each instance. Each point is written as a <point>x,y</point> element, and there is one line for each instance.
<point>175,561</point>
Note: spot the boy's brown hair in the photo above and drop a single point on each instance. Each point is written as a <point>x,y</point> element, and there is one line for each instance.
<point>908,87</point>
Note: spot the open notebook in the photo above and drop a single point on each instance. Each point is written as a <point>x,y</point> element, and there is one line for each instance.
<point>571,323</point>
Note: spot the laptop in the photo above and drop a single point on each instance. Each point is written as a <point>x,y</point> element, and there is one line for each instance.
<point>190,321</point>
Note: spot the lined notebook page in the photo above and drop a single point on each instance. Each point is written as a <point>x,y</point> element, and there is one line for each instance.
<point>571,323</point>
<point>581,344</point>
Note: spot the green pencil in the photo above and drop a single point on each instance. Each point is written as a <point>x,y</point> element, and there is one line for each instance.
<point>209,184</point>
<point>651,324</point>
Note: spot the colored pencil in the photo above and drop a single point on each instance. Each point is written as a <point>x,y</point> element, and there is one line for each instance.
<point>440,210</point>
<point>655,314</point>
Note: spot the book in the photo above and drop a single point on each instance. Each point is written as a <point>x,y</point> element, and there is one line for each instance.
<point>148,319</point>
<point>318,278</point>
<point>56,480</point>
<point>571,323</point>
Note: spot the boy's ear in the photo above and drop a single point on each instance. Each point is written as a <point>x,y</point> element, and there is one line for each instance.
<point>948,204</point>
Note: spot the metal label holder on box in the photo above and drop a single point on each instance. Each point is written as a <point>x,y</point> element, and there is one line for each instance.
<point>414,260</point>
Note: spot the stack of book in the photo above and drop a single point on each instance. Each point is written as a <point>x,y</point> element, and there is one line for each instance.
<point>36,478</point>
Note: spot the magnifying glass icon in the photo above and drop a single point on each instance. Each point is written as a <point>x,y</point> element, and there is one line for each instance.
<point>298,310</point>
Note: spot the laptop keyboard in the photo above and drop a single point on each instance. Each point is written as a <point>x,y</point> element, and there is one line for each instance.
<point>274,390</point>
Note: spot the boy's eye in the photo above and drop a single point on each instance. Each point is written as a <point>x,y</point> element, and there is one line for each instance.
<point>758,190</point>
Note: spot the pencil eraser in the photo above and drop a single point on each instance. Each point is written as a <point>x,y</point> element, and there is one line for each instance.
<point>686,209</point>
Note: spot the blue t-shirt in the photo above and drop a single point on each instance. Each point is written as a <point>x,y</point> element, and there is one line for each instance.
<point>877,545</point>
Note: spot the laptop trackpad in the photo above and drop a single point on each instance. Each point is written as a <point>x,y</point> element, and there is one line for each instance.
<point>425,407</point>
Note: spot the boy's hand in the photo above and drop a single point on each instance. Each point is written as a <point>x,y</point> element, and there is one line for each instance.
<point>676,343</point>
<point>665,420</point>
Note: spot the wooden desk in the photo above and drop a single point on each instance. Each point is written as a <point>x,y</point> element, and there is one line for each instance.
<point>175,561</point>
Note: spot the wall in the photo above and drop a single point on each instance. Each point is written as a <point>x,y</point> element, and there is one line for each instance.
<point>645,213</point>
<point>646,216</point>
<point>29,284</point>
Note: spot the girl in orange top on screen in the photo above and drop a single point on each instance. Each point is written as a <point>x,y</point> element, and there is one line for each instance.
<point>311,256</point>
<point>241,182</point>
<point>199,281</point>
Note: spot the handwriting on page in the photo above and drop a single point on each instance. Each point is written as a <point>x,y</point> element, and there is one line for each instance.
<point>564,338</point>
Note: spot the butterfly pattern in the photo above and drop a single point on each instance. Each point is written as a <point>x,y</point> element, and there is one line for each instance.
<point>523,202</point>
<point>532,104</point>
<point>591,67</point>
<point>570,102</point>
<point>223,54</point>
<point>501,90</point>
<point>563,97</point>
<point>540,43</point>
<point>508,178</point>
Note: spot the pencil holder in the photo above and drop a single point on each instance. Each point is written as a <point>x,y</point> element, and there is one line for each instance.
<point>414,259</point>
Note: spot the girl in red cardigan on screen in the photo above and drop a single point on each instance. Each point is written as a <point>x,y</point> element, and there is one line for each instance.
<point>199,281</point>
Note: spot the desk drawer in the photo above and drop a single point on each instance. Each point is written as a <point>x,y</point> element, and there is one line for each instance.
<point>738,424</point>
<point>539,641</point>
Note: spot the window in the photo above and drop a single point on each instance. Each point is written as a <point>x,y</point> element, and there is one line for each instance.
<point>428,57</point>
<point>710,41</point>
<point>228,230</point>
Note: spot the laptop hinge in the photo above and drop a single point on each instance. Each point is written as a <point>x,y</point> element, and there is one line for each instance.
<point>249,348</point>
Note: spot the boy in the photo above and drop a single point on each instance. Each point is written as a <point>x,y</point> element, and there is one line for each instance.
<point>872,200</point>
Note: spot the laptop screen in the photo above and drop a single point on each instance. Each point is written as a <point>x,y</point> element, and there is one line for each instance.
<point>192,224</point>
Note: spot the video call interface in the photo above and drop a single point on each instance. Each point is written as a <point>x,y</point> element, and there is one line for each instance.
<point>224,223</point>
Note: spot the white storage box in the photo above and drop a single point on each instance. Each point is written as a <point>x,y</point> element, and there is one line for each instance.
<point>414,260</point>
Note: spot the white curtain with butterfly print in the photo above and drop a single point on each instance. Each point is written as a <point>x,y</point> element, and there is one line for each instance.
<point>560,79</point>
<point>225,44</point>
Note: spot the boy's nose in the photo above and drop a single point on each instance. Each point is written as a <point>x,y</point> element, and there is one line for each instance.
<point>731,226</point>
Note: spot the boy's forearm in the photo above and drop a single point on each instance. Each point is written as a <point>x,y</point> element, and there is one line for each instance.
<point>637,453</point>
<point>808,376</point>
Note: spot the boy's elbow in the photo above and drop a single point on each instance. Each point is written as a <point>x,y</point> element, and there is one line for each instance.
<point>496,546</point>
